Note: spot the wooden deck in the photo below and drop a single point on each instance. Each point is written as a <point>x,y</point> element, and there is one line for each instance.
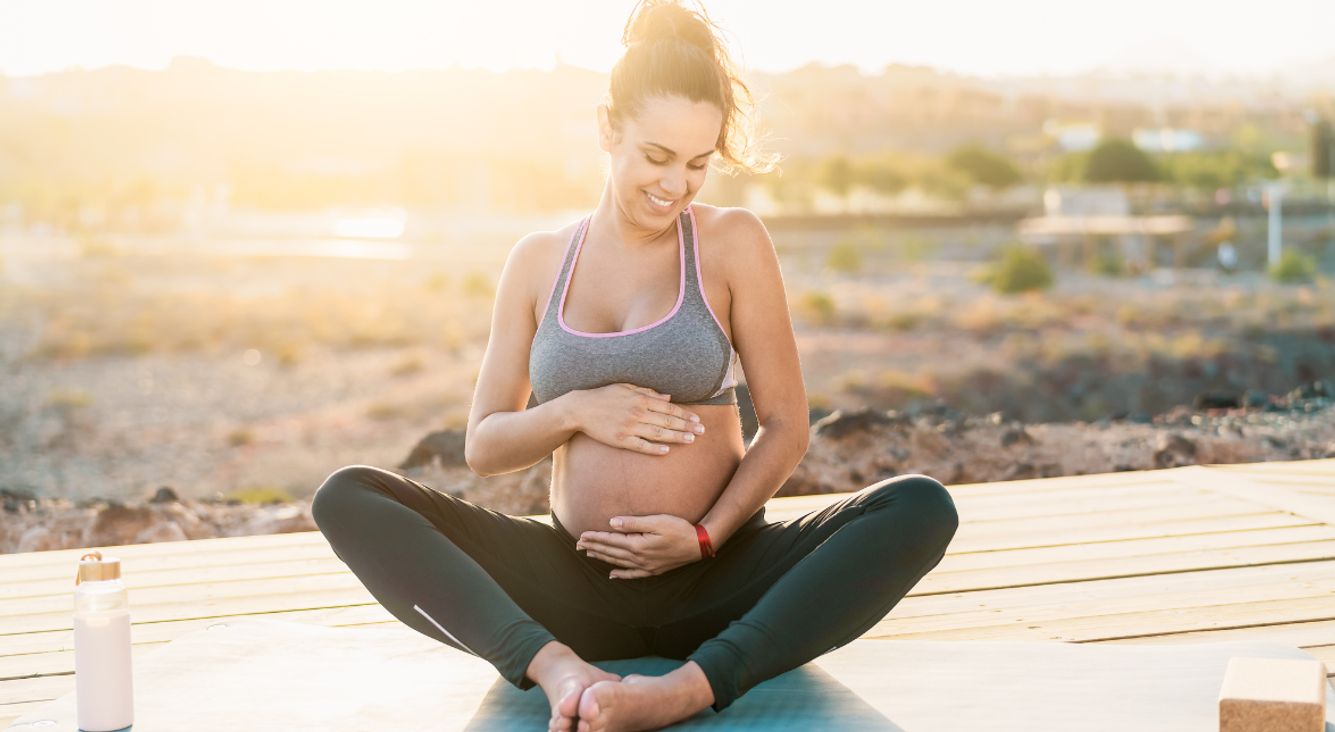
<point>1221,552</point>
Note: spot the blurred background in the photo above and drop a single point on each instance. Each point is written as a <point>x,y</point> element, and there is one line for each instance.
<point>244,244</point>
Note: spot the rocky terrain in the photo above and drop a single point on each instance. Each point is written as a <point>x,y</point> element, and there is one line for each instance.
<point>849,449</point>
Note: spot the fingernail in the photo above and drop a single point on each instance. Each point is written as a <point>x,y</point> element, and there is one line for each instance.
<point>690,438</point>
<point>700,429</point>
<point>695,418</point>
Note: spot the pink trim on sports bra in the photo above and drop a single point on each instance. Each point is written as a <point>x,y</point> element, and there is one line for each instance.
<point>700,278</point>
<point>681,289</point>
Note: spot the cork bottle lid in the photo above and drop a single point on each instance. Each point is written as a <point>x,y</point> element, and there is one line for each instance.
<point>93,567</point>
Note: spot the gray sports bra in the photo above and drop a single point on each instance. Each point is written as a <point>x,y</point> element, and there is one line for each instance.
<point>684,354</point>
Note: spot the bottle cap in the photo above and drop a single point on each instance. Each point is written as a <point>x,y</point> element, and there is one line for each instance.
<point>93,566</point>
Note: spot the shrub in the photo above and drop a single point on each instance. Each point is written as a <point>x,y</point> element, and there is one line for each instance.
<point>407,365</point>
<point>477,285</point>
<point>903,320</point>
<point>844,258</point>
<point>1108,262</point>
<point>916,248</point>
<point>68,398</point>
<point>1293,267</point>
<point>239,437</point>
<point>261,495</point>
<point>817,306</point>
<point>382,411</point>
<point>1020,268</point>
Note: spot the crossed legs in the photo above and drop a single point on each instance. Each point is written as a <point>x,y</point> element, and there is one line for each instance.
<point>504,588</point>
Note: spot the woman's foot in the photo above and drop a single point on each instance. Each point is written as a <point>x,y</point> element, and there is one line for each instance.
<point>644,702</point>
<point>564,676</point>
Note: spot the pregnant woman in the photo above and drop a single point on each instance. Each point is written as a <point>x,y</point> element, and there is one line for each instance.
<point>628,327</point>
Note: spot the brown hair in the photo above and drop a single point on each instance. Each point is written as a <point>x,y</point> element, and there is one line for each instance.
<point>671,49</point>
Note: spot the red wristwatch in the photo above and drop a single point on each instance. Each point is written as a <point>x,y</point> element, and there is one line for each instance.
<point>706,546</point>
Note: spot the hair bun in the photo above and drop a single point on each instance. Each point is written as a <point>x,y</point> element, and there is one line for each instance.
<point>666,20</point>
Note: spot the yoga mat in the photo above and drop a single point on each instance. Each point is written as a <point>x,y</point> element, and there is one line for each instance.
<point>262,674</point>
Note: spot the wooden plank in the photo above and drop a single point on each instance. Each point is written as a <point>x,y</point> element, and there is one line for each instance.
<point>948,578</point>
<point>242,553</point>
<point>257,596</point>
<point>11,712</point>
<point>341,615</point>
<point>1110,596</point>
<point>1242,488</point>
<point>1301,635</point>
<point>1083,506</point>
<point>1108,626</point>
<point>36,688</point>
<point>68,559</point>
<point>15,668</point>
<point>1063,482</point>
<point>1194,507</point>
<point>1326,655</point>
<point>1141,547</point>
<point>139,581</point>
<point>1318,468</point>
<point>970,539</point>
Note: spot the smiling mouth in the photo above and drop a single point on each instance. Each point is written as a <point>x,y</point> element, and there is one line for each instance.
<point>660,202</point>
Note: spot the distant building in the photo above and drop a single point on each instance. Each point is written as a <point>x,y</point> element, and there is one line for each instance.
<point>1073,137</point>
<point>1089,217</point>
<point>1166,139</point>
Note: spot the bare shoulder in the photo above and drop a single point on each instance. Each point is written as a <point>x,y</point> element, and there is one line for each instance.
<point>535,249</point>
<point>535,260</point>
<point>741,235</point>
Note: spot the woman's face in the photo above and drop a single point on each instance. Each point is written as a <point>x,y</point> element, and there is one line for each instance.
<point>660,156</point>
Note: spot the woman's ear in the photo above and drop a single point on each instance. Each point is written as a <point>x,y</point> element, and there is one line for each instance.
<point>607,129</point>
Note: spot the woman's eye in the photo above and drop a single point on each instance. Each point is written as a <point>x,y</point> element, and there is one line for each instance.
<point>655,161</point>
<point>696,167</point>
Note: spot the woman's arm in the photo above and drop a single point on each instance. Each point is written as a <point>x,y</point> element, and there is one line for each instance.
<point>762,332</point>
<point>503,436</point>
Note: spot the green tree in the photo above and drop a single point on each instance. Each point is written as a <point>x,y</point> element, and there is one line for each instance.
<point>1213,169</point>
<point>984,166</point>
<point>836,175</point>
<point>1117,160</point>
<point>1293,267</point>
<point>845,258</point>
<point>1020,268</point>
<point>883,174</point>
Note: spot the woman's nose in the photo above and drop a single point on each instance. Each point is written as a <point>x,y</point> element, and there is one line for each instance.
<point>674,184</point>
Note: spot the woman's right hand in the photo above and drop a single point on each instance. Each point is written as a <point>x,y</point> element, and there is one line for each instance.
<point>634,418</point>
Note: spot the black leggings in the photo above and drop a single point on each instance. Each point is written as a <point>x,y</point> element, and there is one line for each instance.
<point>501,587</point>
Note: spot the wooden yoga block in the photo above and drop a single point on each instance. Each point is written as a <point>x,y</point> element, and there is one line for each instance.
<point>1273,695</point>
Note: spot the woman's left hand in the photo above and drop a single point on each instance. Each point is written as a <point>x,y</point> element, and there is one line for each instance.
<point>643,545</point>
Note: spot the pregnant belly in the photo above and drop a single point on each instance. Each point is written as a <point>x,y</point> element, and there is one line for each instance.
<point>592,481</point>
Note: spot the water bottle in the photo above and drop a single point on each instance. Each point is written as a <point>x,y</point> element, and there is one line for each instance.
<point>103,684</point>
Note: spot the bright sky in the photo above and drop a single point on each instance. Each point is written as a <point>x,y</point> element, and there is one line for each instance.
<point>971,36</point>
